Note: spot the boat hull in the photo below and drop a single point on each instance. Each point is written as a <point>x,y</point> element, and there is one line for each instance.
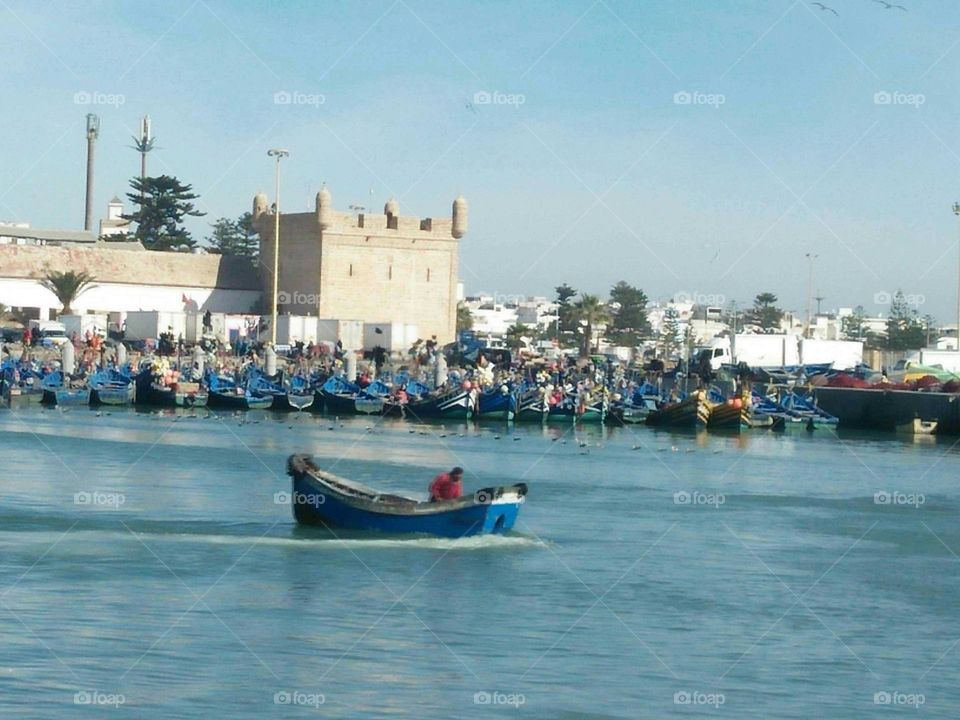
<point>317,503</point>
<point>693,412</point>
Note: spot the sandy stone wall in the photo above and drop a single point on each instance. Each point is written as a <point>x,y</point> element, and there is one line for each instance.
<point>142,267</point>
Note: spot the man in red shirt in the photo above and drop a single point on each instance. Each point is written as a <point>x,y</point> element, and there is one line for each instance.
<point>447,486</point>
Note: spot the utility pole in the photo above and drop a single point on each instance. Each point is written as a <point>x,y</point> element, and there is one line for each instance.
<point>810,257</point>
<point>277,153</point>
<point>144,144</point>
<point>956,211</point>
<point>93,132</point>
<point>819,298</point>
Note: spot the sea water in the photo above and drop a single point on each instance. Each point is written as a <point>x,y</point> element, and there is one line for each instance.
<point>150,568</point>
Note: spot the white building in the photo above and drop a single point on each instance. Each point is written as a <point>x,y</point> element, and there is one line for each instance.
<point>113,223</point>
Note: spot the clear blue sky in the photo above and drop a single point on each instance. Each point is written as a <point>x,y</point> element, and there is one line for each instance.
<point>599,175</point>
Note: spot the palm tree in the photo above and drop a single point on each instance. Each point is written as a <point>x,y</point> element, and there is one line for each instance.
<point>514,336</point>
<point>67,286</point>
<point>589,311</point>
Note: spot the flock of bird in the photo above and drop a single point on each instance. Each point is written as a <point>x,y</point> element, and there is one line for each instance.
<point>886,6</point>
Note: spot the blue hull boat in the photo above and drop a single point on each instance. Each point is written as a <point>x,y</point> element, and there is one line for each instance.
<point>321,498</point>
<point>111,387</point>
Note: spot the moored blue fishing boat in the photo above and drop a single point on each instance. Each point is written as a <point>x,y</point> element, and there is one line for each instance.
<point>453,403</point>
<point>111,387</point>
<point>322,498</point>
<point>60,390</point>
<point>496,403</point>
<point>20,384</point>
<point>224,393</point>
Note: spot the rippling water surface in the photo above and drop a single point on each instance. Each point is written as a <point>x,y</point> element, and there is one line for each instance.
<point>146,571</point>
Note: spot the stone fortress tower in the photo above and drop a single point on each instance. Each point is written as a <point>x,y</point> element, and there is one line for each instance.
<point>369,266</point>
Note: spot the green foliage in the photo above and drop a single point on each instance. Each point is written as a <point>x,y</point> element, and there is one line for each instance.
<point>765,312</point>
<point>67,286</point>
<point>464,318</point>
<point>163,202</point>
<point>235,237</point>
<point>852,326</point>
<point>564,294</point>
<point>904,329</point>
<point>515,334</point>
<point>669,340</point>
<point>588,312</point>
<point>629,322</point>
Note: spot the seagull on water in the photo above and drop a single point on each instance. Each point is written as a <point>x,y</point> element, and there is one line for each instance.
<point>824,7</point>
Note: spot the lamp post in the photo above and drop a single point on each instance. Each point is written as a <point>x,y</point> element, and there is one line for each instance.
<point>276,153</point>
<point>956,211</point>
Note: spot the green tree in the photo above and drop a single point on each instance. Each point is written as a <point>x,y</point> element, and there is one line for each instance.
<point>163,202</point>
<point>904,329</point>
<point>589,312</point>
<point>765,312</point>
<point>629,323</point>
<point>67,286</point>
<point>464,318</point>
<point>565,294</point>
<point>852,326</point>
<point>225,238</point>
<point>249,238</point>
<point>515,335</point>
<point>669,339</point>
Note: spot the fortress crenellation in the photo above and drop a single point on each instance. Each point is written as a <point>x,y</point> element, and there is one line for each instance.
<point>375,267</point>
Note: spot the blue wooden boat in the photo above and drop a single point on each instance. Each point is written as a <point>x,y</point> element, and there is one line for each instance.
<point>111,387</point>
<point>446,403</point>
<point>322,498</point>
<point>224,393</point>
<point>20,384</point>
<point>497,403</point>
<point>342,397</point>
<point>294,395</point>
<point>58,390</point>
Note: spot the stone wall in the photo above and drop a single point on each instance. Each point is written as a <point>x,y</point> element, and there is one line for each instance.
<point>109,265</point>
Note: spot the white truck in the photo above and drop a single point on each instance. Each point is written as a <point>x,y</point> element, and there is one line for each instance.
<point>50,332</point>
<point>769,351</point>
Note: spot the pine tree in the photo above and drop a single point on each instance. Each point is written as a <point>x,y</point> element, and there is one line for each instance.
<point>904,329</point>
<point>766,314</point>
<point>670,339</point>
<point>163,202</point>
<point>630,323</point>
<point>225,238</point>
<point>248,238</point>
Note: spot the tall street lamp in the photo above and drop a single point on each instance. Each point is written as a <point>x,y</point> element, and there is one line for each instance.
<point>956,211</point>
<point>811,257</point>
<point>276,153</point>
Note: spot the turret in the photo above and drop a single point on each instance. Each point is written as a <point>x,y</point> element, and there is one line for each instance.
<point>460,210</point>
<point>259,205</point>
<point>324,208</point>
<point>392,208</point>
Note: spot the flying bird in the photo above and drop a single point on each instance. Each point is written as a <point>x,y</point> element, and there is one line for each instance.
<point>824,7</point>
<point>889,5</point>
